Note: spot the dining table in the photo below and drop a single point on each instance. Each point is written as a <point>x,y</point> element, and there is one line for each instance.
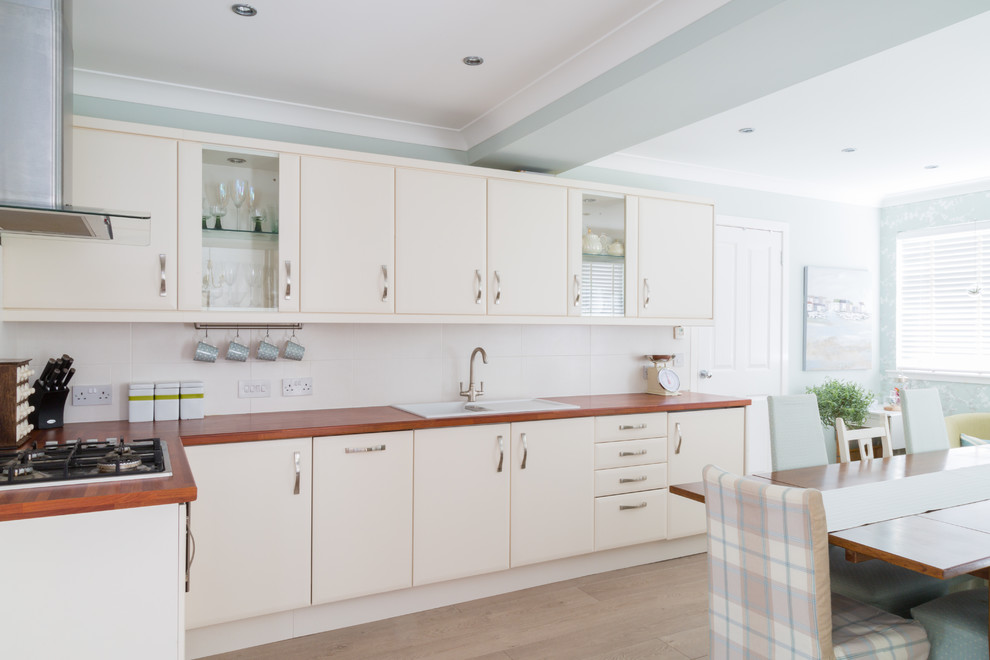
<point>928,512</point>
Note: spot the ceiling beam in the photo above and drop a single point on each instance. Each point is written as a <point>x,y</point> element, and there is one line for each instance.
<point>742,51</point>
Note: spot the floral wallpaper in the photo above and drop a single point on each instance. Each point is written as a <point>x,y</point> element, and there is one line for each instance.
<point>956,397</point>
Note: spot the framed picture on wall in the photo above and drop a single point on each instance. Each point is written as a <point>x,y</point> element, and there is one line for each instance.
<point>838,320</point>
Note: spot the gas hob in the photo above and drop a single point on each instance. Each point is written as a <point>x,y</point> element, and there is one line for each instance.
<point>82,462</point>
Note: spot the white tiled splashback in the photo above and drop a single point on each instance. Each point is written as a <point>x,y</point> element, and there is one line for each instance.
<point>352,364</point>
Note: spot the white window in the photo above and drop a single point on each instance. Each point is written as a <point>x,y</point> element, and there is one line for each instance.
<point>943,300</point>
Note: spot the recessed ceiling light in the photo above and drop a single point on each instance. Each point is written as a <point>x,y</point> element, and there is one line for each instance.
<point>473,60</point>
<point>242,9</point>
<point>747,130</point>
<point>236,161</point>
<point>849,150</point>
<point>931,167</point>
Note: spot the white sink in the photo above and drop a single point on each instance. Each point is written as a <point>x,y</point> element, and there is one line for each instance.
<point>465,409</point>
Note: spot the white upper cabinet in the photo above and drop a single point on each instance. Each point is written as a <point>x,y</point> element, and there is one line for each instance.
<point>239,253</point>
<point>348,236</point>
<point>120,171</point>
<point>439,243</point>
<point>527,249</point>
<point>676,241</point>
<point>601,271</point>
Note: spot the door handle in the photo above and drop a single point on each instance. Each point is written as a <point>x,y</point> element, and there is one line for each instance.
<point>680,438</point>
<point>298,460</point>
<point>704,373</point>
<point>577,291</point>
<point>646,293</point>
<point>385,285</point>
<point>190,544</point>
<point>522,436</point>
<point>477,295</point>
<point>161,287</point>
<point>288,280</point>
<point>501,454</point>
<point>498,288</point>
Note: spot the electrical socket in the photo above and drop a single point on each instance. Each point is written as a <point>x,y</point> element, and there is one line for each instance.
<point>252,389</point>
<point>678,359</point>
<point>297,386</point>
<point>92,395</point>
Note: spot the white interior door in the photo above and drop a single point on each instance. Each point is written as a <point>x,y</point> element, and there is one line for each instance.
<point>742,353</point>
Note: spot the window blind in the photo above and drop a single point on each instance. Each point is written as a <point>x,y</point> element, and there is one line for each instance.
<point>943,299</point>
<point>602,290</point>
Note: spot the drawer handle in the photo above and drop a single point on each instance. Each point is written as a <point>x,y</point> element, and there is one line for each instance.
<point>625,507</point>
<point>362,450</point>
<point>525,451</point>
<point>632,480</point>
<point>680,438</point>
<point>631,427</point>
<point>501,454</point>
<point>298,458</point>
<point>641,452</point>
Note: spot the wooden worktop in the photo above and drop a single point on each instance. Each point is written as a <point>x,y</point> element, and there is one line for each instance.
<point>180,487</point>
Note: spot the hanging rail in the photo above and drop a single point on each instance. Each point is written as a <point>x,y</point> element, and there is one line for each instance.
<point>248,326</point>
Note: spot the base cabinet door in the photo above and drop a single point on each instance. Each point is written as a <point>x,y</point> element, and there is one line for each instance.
<point>553,489</point>
<point>252,522</point>
<point>694,440</point>
<point>362,514</point>
<point>460,502</point>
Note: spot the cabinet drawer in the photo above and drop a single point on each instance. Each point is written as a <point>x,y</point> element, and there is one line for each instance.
<point>630,479</point>
<point>630,452</point>
<point>630,427</point>
<point>631,518</point>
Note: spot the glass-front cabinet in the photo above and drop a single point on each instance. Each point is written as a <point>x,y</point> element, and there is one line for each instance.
<point>599,228</point>
<point>240,223</point>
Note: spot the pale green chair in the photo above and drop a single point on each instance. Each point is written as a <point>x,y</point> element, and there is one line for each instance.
<point>975,424</point>
<point>797,440</point>
<point>956,625</point>
<point>924,423</point>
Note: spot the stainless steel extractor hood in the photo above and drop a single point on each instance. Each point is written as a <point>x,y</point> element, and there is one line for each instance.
<point>36,131</point>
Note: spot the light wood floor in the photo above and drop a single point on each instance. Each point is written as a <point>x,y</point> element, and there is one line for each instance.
<point>656,611</point>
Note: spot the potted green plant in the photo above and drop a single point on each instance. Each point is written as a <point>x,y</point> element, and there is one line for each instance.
<point>843,399</point>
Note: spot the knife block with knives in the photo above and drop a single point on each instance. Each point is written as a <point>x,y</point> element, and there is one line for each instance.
<point>50,392</point>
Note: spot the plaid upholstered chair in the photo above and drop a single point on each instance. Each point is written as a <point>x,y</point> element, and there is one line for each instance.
<point>769,594</point>
<point>797,440</point>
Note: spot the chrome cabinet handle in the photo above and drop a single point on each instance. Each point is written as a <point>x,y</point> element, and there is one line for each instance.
<point>680,439</point>
<point>190,545</point>
<point>522,436</point>
<point>577,291</point>
<point>501,454</point>
<point>631,480</point>
<point>641,452</point>
<point>625,507</point>
<point>385,286</point>
<point>298,457</point>
<point>480,279</point>
<point>629,427</point>
<point>363,450</point>
<point>646,293</point>
<point>288,280</point>
<point>161,287</point>
<point>498,288</point>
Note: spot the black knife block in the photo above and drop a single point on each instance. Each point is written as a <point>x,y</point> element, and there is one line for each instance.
<point>48,407</point>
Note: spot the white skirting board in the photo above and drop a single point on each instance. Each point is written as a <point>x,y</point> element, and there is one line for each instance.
<point>225,637</point>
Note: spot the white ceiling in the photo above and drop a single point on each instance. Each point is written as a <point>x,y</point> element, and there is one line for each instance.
<point>392,69</point>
